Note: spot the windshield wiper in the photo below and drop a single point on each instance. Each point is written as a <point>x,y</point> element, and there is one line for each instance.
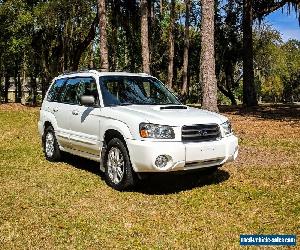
<point>125,104</point>
<point>119,104</point>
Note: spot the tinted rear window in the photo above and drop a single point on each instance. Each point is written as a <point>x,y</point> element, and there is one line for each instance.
<point>55,91</point>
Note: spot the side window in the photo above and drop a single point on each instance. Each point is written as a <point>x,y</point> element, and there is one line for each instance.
<point>69,93</point>
<point>89,88</point>
<point>77,87</point>
<point>113,88</point>
<point>110,88</point>
<point>55,91</point>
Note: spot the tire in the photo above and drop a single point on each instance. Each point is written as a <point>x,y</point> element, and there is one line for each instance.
<point>50,145</point>
<point>118,170</point>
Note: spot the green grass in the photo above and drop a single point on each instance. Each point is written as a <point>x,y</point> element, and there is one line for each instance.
<point>68,205</point>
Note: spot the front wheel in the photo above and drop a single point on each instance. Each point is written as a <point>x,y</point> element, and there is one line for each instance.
<point>118,170</point>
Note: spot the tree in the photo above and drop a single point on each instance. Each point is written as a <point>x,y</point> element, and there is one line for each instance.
<point>207,61</point>
<point>184,90</point>
<point>16,25</point>
<point>228,50</point>
<point>145,37</point>
<point>161,6</point>
<point>253,9</point>
<point>171,44</point>
<point>104,65</point>
<point>249,90</point>
<point>291,80</point>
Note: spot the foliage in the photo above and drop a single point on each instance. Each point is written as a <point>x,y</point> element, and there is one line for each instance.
<point>277,65</point>
<point>45,38</point>
<point>292,78</point>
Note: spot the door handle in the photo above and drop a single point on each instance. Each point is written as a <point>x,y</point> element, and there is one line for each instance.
<point>75,112</point>
<point>55,110</point>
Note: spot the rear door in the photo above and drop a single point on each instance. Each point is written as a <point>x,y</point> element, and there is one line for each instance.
<point>60,111</point>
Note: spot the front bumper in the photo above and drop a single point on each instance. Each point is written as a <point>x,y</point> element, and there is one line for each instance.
<point>182,156</point>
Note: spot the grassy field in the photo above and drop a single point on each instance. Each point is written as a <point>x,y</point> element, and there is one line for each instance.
<point>68,205</point>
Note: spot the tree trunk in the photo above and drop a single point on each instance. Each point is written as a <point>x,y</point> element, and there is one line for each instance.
<point>24,80</point>
<point>145,37</point>
<point>228,93</point>
<point>17,83</point>
<point>151,25</point>
<point>19,89</point>
<point>207,63</point>
<point>151,9</point>
<point>229,83</point>
<point>104,65</point>
<point>91,59</point>
<point>6,87</point>
<point>161,7</point>
<point>81,47</point>
<point>113,45</point>
<point>249,91</point>
<point>16,89</point>
<point>171,44</point>
<point>43,87</point>
<point>184,90</point>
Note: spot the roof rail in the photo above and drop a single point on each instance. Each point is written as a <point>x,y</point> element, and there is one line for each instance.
<point>68,72</point>
<point>143,74</point>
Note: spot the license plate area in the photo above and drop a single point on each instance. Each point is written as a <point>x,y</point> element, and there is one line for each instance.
<point>196,152</point>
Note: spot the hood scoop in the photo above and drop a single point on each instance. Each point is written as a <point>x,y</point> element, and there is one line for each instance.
<point>173,107</point>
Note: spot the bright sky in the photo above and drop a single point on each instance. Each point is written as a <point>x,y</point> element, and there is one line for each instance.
<point>288,25</point>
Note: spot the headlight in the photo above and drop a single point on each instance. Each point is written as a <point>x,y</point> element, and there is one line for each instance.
<point>148,130</point>
<point>227,127</point>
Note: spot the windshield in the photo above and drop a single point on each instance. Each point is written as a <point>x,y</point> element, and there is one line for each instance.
<point>126,90</point>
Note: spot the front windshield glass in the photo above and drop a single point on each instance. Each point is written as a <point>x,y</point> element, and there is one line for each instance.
<point>127,90</point>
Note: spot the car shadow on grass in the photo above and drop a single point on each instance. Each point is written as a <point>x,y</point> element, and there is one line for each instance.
<point>278,112</point>
<point>156,183</point>
<point>170,183</point>
<point>82,163</point>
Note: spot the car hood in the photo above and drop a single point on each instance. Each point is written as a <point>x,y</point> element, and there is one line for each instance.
<point>173,115</point>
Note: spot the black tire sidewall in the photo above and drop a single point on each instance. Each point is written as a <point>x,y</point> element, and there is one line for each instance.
<point>56,154</point>
<point>128,177</point>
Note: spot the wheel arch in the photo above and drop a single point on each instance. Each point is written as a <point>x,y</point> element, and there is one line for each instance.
<point>108,136</point>
<point>47,124</point>
<point>113,133</point>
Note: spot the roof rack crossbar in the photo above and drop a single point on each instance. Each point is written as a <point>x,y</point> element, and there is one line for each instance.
<point>68,72</point>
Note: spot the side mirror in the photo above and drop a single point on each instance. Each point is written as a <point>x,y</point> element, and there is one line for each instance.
<point>87,100</point>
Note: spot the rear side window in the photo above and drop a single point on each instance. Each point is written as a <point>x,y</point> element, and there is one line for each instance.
<point>55,91</point>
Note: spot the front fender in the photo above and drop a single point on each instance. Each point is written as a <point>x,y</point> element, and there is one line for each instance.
<point>117,125</point>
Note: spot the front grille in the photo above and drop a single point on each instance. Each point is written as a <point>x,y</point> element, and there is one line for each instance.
<point>201,132</point>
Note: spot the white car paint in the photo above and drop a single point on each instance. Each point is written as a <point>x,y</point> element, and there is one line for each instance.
<point>80,130</point>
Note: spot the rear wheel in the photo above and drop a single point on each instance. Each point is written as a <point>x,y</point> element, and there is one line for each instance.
<point>51,147</point>
<point>118,170</point>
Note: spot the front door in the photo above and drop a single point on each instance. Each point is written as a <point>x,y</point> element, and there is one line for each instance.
<point>84,122</point>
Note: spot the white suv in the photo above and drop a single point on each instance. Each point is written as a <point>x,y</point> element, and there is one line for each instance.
<point>131,124</point>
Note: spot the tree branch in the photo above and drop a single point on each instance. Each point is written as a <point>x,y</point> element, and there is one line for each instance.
<point>261,9</point>
<point>85,43</point>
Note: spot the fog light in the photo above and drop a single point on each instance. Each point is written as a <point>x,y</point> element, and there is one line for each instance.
<point>161,161</point>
